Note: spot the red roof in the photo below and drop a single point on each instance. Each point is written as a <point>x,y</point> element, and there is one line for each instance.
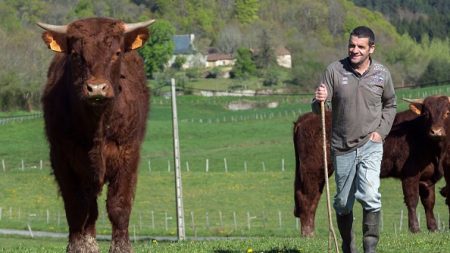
<point>219,57</point>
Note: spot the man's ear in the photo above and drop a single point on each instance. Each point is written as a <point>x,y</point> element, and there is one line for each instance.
<point>136,38</point>
<point>416,108</point>
<point>55,41</point>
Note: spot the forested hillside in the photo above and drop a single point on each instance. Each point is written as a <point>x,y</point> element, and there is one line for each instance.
<point>314,31</point>
<point>418,18</point>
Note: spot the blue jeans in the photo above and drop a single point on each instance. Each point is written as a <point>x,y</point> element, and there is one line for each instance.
<point>357,176</point>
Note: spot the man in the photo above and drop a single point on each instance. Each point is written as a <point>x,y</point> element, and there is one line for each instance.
<point>363,107</point>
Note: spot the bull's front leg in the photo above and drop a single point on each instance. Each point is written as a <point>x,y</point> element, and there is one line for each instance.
<point>410,187</point>
<point>119,203</point>
<point>77,204</point>
<point>427,196</point>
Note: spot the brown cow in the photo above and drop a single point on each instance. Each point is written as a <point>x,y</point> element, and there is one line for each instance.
<point>411,153</point>
<point>95,107</point>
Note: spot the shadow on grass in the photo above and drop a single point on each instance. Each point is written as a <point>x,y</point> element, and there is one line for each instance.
<point>265,251</point>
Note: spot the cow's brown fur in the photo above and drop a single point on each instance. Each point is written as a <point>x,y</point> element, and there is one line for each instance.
<point>93,142</point>
<point>410,154</point>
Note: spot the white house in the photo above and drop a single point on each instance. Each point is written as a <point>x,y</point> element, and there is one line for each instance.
<point>218,59</point>
<point>184,47</point>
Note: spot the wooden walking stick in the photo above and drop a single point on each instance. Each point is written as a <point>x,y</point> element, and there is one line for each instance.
<point>331,232</point>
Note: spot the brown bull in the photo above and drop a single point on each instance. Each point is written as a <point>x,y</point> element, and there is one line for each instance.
<point>411,153</point>
<point>95,107</point>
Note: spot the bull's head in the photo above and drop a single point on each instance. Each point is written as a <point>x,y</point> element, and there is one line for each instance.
<point>435,110</point>
<point>94,49</point>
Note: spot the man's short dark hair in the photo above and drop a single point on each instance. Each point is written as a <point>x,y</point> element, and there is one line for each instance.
<point>364,32</point>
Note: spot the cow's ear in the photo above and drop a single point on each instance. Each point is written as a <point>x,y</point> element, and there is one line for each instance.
<point>416,108</point>
<point>55,41</point>
<point>136,39</point>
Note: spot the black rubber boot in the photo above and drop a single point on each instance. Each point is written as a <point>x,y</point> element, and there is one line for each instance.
<point>345,224</point>
<point>371,234</point>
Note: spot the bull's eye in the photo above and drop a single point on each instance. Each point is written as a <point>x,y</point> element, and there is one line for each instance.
<point>446,114</point>
<point>75,55</point>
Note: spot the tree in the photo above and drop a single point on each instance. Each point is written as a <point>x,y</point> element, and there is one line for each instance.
<point>436,72</point>
<point>247,10</point>
<point>230,38</point>
<point>244,66</point>
<point>159,47</point>
<point>265,57</point>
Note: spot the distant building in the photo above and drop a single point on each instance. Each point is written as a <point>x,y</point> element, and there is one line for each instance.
<point>184,47</point>
<point>218,59</point>
<point>284,58</point>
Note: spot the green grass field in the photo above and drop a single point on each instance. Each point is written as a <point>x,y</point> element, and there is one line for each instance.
<point>246,192</point>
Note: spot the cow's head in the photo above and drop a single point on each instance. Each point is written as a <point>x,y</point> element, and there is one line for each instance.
<point>94,49</point>
<point>435,110</point>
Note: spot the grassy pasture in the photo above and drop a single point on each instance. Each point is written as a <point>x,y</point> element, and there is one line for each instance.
<point>253,198</point>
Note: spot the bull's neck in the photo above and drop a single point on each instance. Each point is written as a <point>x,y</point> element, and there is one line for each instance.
<point>93,120</point>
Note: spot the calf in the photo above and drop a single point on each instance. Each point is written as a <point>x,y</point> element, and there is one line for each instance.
<point>411,154</point>
<point>95,107</point>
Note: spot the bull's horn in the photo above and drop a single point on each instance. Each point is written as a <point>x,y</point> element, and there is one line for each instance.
<point>53,28</point>
<point>133,26</point>
<point>416,100</point>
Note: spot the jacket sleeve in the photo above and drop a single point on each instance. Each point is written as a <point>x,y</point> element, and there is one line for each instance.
<point>327,79</point>
<point>389,107</point>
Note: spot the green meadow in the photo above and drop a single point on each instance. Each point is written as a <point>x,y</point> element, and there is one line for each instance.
<point>237,171</point>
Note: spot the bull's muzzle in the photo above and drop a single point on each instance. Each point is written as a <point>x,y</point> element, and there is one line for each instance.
<point>98,90</point>
<point>437,132</point>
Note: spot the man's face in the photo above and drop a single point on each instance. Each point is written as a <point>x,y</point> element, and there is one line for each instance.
<point>359,50</point>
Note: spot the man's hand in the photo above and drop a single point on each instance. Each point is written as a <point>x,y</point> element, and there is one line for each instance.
<point>321,93</point>
<point>376,137</point>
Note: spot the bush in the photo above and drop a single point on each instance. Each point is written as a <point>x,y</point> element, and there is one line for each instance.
<point>213,73</point>
<point>271,78</point>
<point>193,73</point>
<point>178,63</point>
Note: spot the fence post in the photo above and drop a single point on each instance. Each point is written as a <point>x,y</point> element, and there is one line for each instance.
<point>29,230</point>
<point>153,220</point>
<point>207,165</point>
<point>235,221</point>
<point>225,164</point>
<point>3,165</point>
<point>192,220</point>
<point>249,219</point>
<point>279,219</point>
<point>401,221</point>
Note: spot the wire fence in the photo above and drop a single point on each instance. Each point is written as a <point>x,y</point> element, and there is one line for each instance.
<point>198,223</point>
<point>21,118</point>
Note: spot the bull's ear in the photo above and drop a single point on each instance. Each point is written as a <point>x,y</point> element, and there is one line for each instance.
<point>54,41</point>
<point>136,39</point>
<point>416,108</point>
